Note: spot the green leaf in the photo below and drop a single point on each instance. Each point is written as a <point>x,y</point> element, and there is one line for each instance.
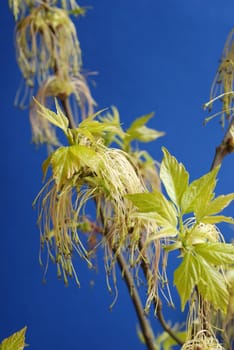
<point>165,228</point>
<point>15,6</point>
<point>216,253</point>
<point>138,131</point>
<point>219,203</point>
<point>186,277</point>
<point>15,342</point>
<point>58,119</point>
<point>108,127</point>
<point>78,11</point>
<point>166,342</point>
<point>87,156</point>
<point>155,202</point>
<point>63,120</point>
<point>45,166</point>
<point>199,194</point>
<point>64,165</point>
<point>212,285</point>
<point>165,232</point>
<point>66,161</point>
<point>174,177</point>
<point>195,270</point>
<point>217,219</point>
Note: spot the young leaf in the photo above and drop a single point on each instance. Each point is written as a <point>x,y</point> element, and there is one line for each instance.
<point>155,202</point>
<point>45,166</point>
<point>165,342</point>
<point>216,253</point>
<point>15,342</point>
<point>219,203</point>
<point>186,277</point>
<point>199,194</point>
<point>165,228</point>
<point>87,156</point>
<point>64,165</point>
<point>106,128</point>
<point>66,161</point>
<point>174,177</point>
<point>139,131</point>
<point>216,219</point>
<point>166,231</point>
<point>212,285</point>
<point>58,119</point>
<point>78,11</point>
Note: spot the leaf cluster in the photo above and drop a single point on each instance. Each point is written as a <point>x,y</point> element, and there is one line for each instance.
<point>203,255</point>
<point>84,171</point>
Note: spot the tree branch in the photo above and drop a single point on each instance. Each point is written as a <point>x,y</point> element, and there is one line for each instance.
<point>144,323</point>
<point>68,112</point>
<point>226,146</point>
<point>157,302</point>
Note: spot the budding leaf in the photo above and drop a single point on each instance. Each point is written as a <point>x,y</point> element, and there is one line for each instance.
<point>212,285</point>
<point>219,203</point>
<point>15,342</point>
<point>58,119</point>
<point>66,161</point>
<point>155,202</point>
<point>216,253</point>
<point>217,219</point>
<point>140,132</point>
<point>186,277</point>
<point>199,194</point>
<point>174,177</point>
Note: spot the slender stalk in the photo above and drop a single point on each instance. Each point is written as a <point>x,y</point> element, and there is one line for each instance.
<point>68,112</point>
<point>144,323</point>
<point>225,147</point>
<point>157,302</point>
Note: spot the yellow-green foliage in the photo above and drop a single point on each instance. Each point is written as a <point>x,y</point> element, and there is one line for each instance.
<point>14,342</point>
<point>204,254</point>
<point>60,87</point>
<point>83,171</point>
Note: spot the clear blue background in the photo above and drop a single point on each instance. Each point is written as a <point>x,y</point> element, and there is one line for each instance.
<point>151,55</point>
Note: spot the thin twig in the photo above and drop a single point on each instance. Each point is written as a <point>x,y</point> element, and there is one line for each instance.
<point>144,323</point>
<point>67,109</point>
<point>225,147</point>
<point>157,302</point>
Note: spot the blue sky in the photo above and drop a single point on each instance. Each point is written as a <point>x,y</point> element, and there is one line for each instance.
<point>152,55</point>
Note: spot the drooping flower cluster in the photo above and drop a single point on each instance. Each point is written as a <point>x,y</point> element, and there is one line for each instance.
<point>222,86</point>
<point>49,56</point>
<point>83,172</point>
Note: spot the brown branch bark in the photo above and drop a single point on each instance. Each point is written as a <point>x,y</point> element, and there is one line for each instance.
<point>68,112</point>
<point>157,302</point>
<point>144,323</point>
<point>225,147</point>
